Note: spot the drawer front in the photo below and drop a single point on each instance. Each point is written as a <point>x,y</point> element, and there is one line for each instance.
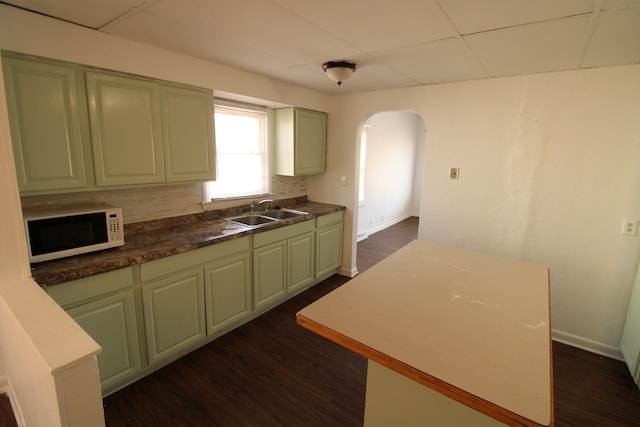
<point>332,218</point>
<point>169,265</point>
<point>72,293</point>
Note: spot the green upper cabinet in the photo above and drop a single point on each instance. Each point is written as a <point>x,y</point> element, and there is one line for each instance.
<point>46,125</point>
<point>187,130</point>
<point>76,128</point>
<point>126,131</point>
<point>301,140</point>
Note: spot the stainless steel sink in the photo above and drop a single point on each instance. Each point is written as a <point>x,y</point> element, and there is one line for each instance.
<point>252,220</point>
<point>283,213</point>
<point>258,219</point>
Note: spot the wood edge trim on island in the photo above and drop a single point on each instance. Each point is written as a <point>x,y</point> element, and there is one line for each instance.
<point>490,409</point>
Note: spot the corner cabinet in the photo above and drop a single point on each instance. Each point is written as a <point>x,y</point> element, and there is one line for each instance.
<point>630,342</point>
<point>300,141</point>
<point>103,305</point>
<point>45,115</point>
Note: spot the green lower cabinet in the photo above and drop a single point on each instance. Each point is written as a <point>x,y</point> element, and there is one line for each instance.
<point>111,323</point>
<point>174,314</point>
<point>328,249</point>
<point>269,274</point>
<point>283,263</point>
<point>300,251</point>
<point>178,303</point>
<point>227,291</point>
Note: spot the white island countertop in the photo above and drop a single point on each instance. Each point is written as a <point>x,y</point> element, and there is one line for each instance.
<point>471,326</point>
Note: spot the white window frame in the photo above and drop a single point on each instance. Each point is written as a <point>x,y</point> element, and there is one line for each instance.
<point>222,188</point>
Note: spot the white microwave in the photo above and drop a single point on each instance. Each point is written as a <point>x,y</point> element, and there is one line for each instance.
<point>58,232</point>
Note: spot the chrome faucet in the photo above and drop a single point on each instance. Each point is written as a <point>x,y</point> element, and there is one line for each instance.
<point>266,203</point>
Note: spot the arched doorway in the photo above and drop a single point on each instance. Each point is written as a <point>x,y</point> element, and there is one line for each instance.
<point>391,158</point>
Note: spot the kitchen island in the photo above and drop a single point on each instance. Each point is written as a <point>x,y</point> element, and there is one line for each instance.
<point>453,337</point>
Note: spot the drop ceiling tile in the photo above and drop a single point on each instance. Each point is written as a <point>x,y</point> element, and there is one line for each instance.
<point>476,16</point>
<point>90,13</point>
<point>372,25</point>
<point>397,44</point>
<point>616,39</point>
<point>193,40</point>
<point>261,25</point>
<point>619,4</point>
<point>435,62</point>
<point>534,48</point>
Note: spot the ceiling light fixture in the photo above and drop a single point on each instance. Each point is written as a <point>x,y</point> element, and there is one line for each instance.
<point>339,70</point>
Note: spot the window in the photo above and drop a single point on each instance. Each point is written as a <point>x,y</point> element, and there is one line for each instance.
<point>241,152</point>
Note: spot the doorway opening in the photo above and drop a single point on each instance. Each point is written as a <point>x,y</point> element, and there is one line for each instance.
<point>391,159</point>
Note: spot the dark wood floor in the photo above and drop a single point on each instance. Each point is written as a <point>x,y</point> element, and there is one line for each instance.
<point>272,372</point>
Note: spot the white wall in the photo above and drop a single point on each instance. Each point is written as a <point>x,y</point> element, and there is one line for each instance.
<point>391,190</point>
<point>549,167</point>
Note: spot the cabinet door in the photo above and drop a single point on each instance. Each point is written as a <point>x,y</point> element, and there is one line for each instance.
<point>45,125</point>
<point>187,130</point>
<point>328,249</point>
<point>111,322</point>
<point>126,133</point>
<point>630,342</point>
<point>174,314</point>
<point>300,251</point>
<point>269,274</point>
<point>227,291</point>
<point>310,142</point>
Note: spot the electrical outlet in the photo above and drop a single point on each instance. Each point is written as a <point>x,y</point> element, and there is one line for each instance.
<point>629,227</point>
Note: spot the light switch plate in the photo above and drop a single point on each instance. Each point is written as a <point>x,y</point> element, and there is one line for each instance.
<point>454,173</point>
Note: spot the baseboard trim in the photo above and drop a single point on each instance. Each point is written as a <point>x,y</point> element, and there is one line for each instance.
<point>15,404</point>
<point>587,344</point>
<point>387,224</point>
<point>348,273</point>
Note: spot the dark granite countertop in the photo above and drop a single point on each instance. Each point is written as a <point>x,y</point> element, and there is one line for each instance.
<point>150,240</point>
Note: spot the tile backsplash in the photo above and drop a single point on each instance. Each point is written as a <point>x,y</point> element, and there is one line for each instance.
<point>145,203</point>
